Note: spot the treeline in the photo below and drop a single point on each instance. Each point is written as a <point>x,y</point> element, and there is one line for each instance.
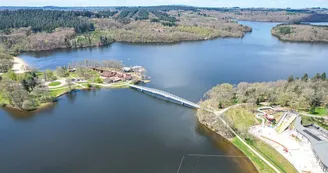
<point>142,13</point>
<point>23,39</point>
<point>46,20</point>
<point>299,93</point>
<point>105,64</point>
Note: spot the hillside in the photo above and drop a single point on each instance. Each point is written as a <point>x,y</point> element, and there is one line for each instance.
<point>38,29</point>
<point>301,33</point>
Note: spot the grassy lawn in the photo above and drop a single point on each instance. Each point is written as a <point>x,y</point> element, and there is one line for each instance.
<point>241,117</point>
<point>59,91</point>
<point>39,74</point>
<point>258,163</point>
<point>320,111</point>
<point>318,121</point>
<point>268,153</point>
<point>56,83</point>
<point>273,156</point>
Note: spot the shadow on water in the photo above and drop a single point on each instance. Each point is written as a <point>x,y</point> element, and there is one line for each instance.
<point>227,147</point>
<point>45,54</point>
<point>24,115</point>
<point>47,109</point>
<point>168,100</point>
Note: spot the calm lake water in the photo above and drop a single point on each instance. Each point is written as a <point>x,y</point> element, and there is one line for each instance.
<point>125,131</point>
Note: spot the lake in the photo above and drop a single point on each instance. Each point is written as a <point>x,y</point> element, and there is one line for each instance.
<point>125,131</point>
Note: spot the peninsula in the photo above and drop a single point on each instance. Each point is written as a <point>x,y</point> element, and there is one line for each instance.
<point>270,131</point>
<point>30,89</point>
<point>301,33</point>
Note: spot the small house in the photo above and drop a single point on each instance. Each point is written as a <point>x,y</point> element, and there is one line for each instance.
<point>120,75</point>
<point>108,74</point>
<point>128,77</point>
<point>114,79</point>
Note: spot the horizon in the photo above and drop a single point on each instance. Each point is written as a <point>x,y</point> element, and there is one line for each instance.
<point>295,4</point>
<point>136,6</point>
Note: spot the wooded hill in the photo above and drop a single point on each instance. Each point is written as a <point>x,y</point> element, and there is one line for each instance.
<point>35,28</point>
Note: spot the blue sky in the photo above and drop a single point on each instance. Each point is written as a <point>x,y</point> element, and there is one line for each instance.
<point>202,3</point>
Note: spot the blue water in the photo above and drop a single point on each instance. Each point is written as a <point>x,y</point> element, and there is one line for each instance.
<point>125,131</point>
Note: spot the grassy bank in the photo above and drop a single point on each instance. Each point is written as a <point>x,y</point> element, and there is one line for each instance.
<point>258,163</point>
<point>268,153</point>
<point>241,119</point>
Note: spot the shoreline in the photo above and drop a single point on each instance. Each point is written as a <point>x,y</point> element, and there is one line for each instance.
<point>46,105</point>
<point>20,66</point>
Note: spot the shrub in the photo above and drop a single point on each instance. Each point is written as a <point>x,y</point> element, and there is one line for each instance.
<point>154,20</point>
<point>285,30</point>
<point>62,72</point>
<point>99,80</point>
<point>29,105</point>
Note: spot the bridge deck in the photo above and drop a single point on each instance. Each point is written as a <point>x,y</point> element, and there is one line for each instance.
<point>166,94</point>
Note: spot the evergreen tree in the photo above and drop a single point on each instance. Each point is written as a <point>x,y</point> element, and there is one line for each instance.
<point>305,78</point>
<point>291,78</point>
<point>316,77</point>
<point>323,76</point>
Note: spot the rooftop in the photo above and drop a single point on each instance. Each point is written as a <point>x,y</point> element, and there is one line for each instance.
<point>318,138</point>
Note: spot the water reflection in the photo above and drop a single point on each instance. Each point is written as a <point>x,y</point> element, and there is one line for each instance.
<point>227,147</point>
<point>24,115</point>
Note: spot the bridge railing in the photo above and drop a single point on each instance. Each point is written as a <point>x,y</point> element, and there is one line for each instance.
<point>166,94</point>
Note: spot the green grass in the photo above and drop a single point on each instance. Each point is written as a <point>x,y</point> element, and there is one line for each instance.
<point>56,83</point>
<point>241,117</point>
<point>318,121</point>
<point>39,74</point>
<point>59,91</point>
<point>269,153</point>
<point>320,111</point>
<point>273,156</point>
<point>258,163</point>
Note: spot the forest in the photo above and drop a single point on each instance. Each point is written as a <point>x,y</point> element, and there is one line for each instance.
<point>48,28</point>
<point>45,20</point>
<point>38,29</point>
<point>303,93</point>
<point>301,33</point>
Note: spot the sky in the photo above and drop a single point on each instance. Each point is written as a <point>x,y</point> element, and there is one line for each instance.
<point>200,3</point>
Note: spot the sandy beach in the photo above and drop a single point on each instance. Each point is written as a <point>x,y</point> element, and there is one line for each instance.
<point>20,66</point>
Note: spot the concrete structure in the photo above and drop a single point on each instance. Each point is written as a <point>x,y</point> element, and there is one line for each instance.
<point>285,121</point>
<point>166,95</point>
<point>318,138</point>
<point>127,69</point>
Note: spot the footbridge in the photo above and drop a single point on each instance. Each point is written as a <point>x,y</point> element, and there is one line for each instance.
<point>167,95</point>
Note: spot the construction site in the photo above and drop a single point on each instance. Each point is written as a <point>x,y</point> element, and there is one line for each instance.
<point>305,147</point>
